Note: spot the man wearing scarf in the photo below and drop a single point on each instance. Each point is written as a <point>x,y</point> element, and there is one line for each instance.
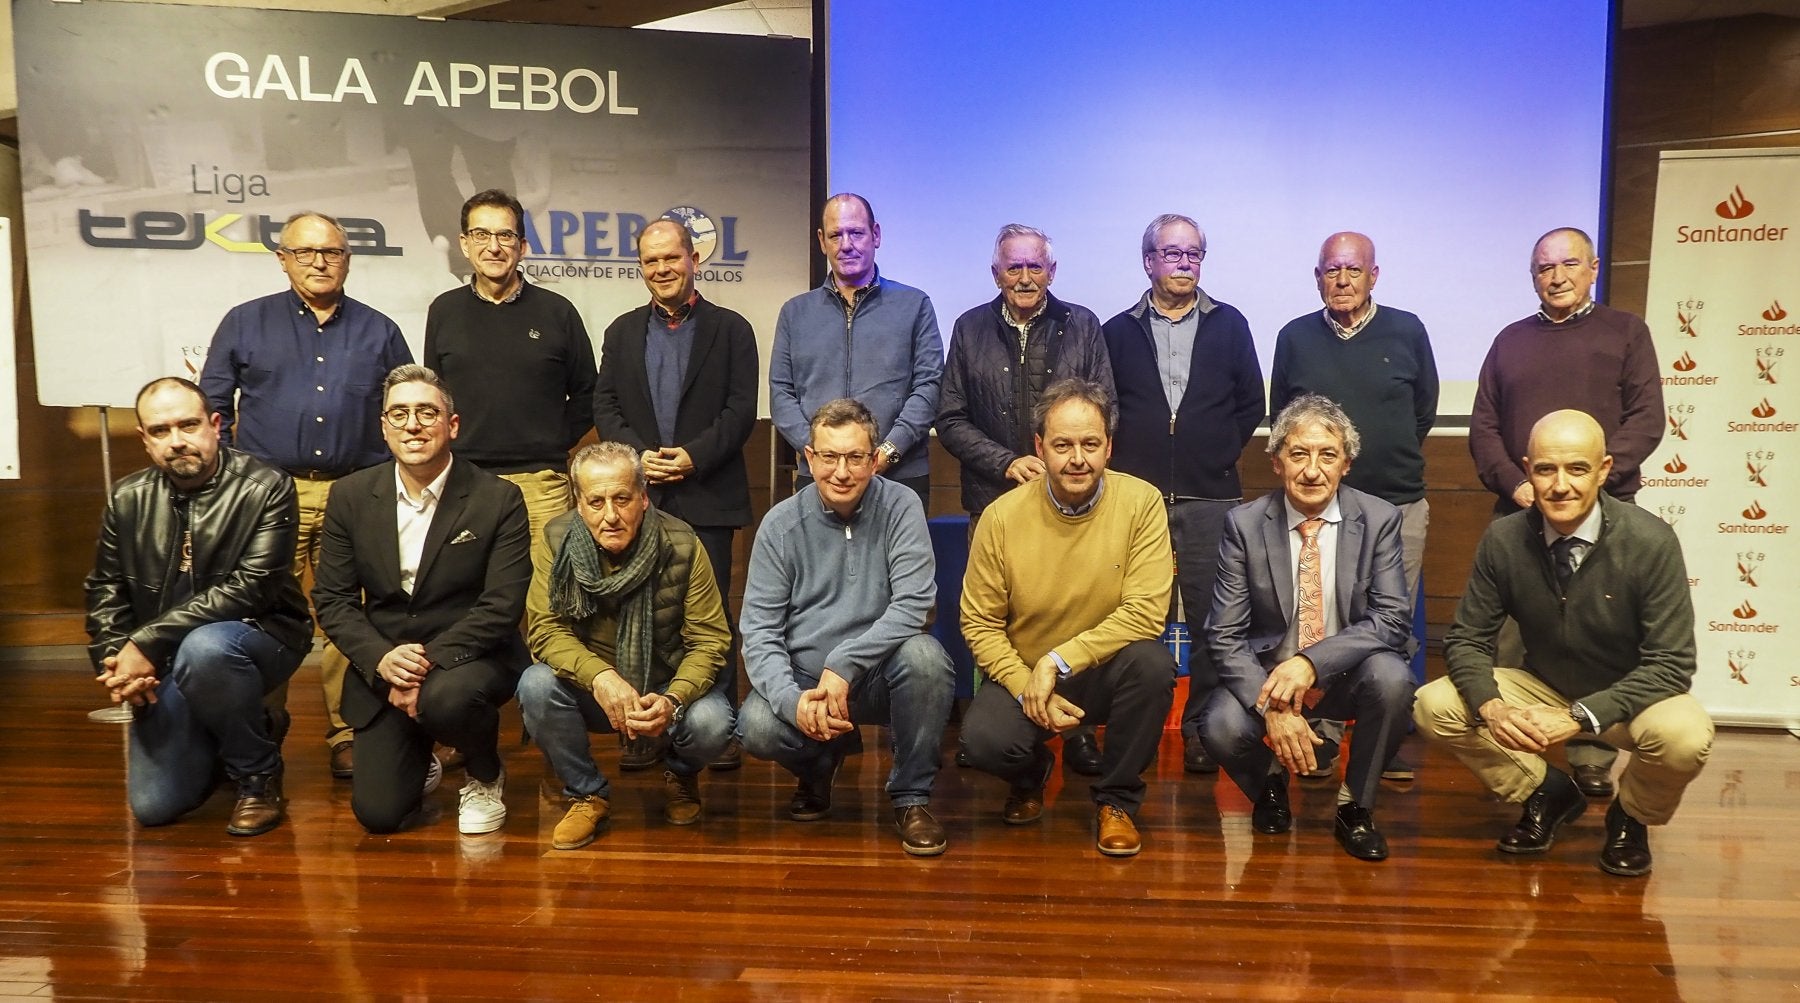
<point>629,632</point>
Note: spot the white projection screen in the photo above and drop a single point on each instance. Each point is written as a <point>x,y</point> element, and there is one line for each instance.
<point>1452,134</point>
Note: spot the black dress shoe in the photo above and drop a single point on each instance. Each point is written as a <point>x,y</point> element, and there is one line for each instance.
<point>1356,833</point>
<point>1627,849</point>
<point>920,834</point>
<point>1194,758</point>
<point>1081,752</point>
<point>1594,781</point>
<point>812,798</point>
<point>1557,800</point>
<point>1271,814</point>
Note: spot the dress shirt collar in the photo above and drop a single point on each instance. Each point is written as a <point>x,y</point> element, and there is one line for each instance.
<point>1075,512</point>
<point>1334,513</point>
<point>1346,333</point>
<point>515,294</point>
<point>1581,311</point>
<point>1588,532</point>
<point>432,492</point>
<point>673,319</point>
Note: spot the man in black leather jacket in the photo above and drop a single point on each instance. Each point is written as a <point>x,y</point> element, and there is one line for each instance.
<point>194,615</point>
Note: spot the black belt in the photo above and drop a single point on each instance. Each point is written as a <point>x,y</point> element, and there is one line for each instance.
<point>313,474</point>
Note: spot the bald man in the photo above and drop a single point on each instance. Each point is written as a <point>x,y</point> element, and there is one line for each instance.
<point>1599,590</point>
<point>1376,363</point>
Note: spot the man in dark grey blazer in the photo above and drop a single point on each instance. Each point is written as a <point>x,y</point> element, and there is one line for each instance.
<point>1310,620</point>
<point>421,585</point>
<point>677,383</point>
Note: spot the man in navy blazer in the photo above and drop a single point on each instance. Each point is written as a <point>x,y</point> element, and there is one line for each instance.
<point>422,581</point>
<point>677,383</point>
<point>1288,652</point>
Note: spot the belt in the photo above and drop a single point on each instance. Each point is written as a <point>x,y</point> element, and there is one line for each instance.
<point>312,474</point>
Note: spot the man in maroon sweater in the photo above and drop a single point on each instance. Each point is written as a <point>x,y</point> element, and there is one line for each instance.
<point>1572,353</point>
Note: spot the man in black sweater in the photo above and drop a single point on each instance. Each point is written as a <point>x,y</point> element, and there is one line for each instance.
<point>1190,396</point>
<point>1600,593</point>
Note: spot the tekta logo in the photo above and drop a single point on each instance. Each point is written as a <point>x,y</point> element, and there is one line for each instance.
<point>1737,661</point>
<point>1735,206</point>
<point>1755,512</point>
<point>1685,364</point>
<point>1757,461</point>
<point>1747,563</point>
<point>1762,410</point>
<point>1774,312</point>
<point>1744,611</point>
<point>1675,466</point>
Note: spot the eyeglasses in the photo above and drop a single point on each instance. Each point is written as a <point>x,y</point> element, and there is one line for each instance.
<point>400,416</point>
<point>1174,254</point>
<point>507,238</point>
<point>1351,272</point>
<point>829,461</point>
<point>305,255</point>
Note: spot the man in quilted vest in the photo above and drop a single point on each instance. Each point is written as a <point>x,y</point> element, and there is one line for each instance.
<point>629,633</point>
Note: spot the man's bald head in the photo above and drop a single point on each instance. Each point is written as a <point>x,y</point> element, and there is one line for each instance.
<point>1346,275</point>
<point>1567,462</point>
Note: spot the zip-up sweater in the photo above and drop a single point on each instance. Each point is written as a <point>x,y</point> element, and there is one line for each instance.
<point>886,353</point>
<point>1192,453</point>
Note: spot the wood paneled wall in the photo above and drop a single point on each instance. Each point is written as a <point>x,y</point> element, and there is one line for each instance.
<point>1721,83</point>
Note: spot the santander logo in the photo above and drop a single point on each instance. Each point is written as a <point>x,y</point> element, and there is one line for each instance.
<point>1774,312</point>
<point>1755,511</point>
<point>1685,364</point>
<point>1763,410</point>
<point>1744,611</point>
<point>1735,206</point>
<point>1675,466</point>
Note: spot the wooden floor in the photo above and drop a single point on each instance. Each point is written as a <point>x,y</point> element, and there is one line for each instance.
<point>748,905</point>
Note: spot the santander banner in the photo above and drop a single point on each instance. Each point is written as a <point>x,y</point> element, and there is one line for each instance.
<point>1724,257</point>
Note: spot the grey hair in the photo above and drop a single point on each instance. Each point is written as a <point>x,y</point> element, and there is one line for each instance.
<point>412,372</point>
<point>1011,230</point>
<point>608,452</point>
<point>330,221</point>
<point>844,411</point>
<point>1322,410</point>
<point>1075,389</point>
<point>1169,219</point>
<point>1572,231</point>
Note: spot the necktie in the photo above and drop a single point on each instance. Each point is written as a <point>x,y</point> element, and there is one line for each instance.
<point>1562,553</point>
<point>1311,608</point>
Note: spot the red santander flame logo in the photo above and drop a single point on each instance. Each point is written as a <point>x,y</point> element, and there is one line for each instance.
<point>1685,364</point>
<point>1735,206</point>
<point>1764,410</point>
<point>1744,611</point>
<point>1675,466</point>
<point>1775,312</point>
<point>1755,511</point>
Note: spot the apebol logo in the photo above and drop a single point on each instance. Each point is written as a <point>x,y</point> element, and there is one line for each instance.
<point>1774,312</point>
<point>1735,206</point>
<point>163,230</point>
<point>567,243</point>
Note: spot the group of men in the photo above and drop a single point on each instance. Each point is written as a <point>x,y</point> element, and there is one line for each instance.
<point>1091,455</point>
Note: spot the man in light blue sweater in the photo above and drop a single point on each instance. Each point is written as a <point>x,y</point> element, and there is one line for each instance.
<point>861,336</point>
<point>841,578</point>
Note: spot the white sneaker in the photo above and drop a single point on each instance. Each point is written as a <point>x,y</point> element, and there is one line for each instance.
<point>434,775</point>
<point>481,808</point>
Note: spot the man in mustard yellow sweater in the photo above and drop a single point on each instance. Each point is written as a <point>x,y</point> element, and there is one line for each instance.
<point>1063,608</point>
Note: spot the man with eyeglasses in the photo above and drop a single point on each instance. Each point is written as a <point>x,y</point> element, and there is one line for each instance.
<point>840,582</point>
<point>1190,396</point>
<point>864,337</point>
<point>1002,356</point>
<point>677,383</point>
<point>422,582</point>
<point>1577,354</point>
<point>1376,363</point>
<point>296,380</point>
<point>518,359</point>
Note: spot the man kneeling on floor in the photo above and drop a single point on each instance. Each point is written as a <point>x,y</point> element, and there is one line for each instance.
<point>1600,592</point>
<point>834,618</point>
<point>630,631</point>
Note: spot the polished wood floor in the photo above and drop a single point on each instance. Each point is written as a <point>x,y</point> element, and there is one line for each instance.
<point>748,905</point>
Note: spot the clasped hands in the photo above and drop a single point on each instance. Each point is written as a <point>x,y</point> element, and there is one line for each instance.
<point>129,676</point>
<point>667,465</point>
<point>823,712</point>
<point>1281,701</point>
<point>632,714</point>
<point>404,669</point>
<point>1534,728</point>
<point>1042,704</point>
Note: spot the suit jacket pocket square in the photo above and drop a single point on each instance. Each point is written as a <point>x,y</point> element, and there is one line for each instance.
<point>463,537</point>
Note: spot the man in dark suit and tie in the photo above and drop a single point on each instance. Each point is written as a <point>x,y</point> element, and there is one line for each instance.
<point>1310,620</point>
<point>421,585</point>
<point>677,383</point>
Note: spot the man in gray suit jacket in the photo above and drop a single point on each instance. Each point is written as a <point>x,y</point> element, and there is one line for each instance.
<point>1310,620</point>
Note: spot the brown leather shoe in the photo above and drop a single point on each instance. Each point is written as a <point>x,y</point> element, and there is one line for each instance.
<point>920,834</point>
<point>1118,836</point>
<point>576,829</point>
<point>259,805</point>
<point>343,760</point>
<point>683,804</point>
<point>1025,801</point>
<point>731,758</point>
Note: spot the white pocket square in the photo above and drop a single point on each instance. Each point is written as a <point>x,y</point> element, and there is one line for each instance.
<point>463,537</point>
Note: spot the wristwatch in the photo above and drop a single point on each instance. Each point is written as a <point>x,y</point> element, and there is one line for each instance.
<point>680,710</point>
<point>1584,722</point>
<point>890,452</point>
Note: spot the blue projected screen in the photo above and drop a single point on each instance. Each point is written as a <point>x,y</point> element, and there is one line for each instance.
<point>1452,134</point>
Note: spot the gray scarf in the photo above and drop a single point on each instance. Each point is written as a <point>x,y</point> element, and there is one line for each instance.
<point>579,585</point>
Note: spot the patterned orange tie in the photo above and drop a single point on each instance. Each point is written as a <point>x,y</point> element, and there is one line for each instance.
<point>1311,607</point>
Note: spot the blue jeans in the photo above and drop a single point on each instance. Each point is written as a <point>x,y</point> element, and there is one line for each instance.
<point>208,709</point>
<point>560,713</point>
<point>911,692</point>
